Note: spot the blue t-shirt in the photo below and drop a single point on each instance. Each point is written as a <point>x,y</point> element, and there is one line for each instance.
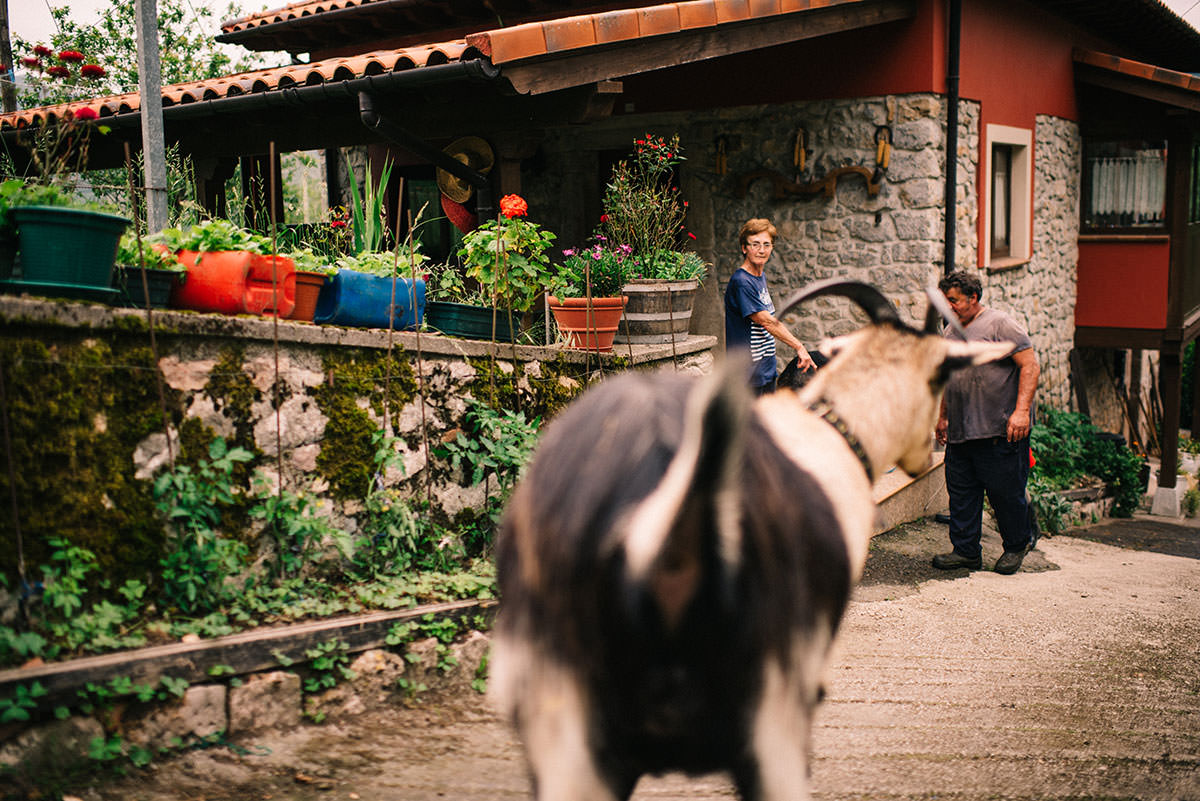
<point>745,295</point>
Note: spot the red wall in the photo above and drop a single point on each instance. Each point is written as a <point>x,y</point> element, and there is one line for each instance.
<point>1122,284</point>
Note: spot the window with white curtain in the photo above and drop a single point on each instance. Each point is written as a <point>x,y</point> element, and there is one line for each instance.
<point>1125,185</point>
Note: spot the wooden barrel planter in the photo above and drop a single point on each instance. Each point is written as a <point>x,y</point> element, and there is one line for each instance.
<point>656,311</point>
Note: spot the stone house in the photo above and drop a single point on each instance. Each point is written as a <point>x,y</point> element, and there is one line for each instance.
<point>1071,188</point>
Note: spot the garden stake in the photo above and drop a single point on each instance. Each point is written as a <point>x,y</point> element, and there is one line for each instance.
<point>137,232</point>
<point>387,369</point>
<point>275,329</point>
<point>412,260</point>
<point>12,492</point>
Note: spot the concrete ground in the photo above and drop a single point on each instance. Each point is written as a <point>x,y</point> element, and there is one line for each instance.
<point>1077,678</point>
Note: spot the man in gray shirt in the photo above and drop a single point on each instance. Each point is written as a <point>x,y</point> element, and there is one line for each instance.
<point>986,416</point>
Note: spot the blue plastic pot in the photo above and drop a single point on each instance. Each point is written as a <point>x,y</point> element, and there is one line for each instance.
<point>361,300</point>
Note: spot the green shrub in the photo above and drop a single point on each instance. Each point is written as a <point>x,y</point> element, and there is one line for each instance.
<point>1068,447</point>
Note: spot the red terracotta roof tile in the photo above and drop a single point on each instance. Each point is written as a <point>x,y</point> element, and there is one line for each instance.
<point>697,14</point>
<point>659,20</point>
<point>732,10</point>
<point>501,45</point>
<point>617,26</point>
<point>1137,69</point>
<point>570,32</point>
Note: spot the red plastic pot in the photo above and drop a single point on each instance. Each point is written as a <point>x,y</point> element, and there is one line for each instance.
<point>236,282</point>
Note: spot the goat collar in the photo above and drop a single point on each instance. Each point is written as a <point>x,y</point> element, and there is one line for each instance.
<point>822,409</point>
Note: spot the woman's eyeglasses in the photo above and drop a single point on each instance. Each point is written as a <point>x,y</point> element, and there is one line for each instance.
<point>759,245</point>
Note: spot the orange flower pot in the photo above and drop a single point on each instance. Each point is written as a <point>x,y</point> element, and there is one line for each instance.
<point>308,289</point>
<point>588,327</point>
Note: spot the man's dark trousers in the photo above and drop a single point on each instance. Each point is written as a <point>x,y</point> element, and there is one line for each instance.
<point>1000,468</point>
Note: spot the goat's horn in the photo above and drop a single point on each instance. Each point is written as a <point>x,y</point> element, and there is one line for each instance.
<point>940,307</point>
<point>872,301</point>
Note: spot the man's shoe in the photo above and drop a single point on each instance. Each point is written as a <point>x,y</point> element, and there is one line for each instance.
<point>954,560</point>
<point>1010,562</point>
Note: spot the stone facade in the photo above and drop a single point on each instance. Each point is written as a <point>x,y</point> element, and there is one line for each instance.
<point>893,240</point>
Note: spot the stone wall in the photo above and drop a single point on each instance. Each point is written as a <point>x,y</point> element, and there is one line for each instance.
<point>893,240</point>
<point>83,405</point>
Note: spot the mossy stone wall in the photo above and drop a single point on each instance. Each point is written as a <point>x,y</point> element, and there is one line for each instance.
<point>87,433</point>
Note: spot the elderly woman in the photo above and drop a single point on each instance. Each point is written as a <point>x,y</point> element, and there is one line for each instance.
<point>749,313</point>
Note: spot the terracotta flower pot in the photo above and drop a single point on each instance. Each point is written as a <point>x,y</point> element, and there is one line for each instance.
<point>588,327</point>
<point>308,289</point>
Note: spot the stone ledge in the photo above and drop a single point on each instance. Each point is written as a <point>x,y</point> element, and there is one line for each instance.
<point>76,314</point>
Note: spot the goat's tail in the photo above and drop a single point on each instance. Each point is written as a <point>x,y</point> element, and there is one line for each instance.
<point>700,488</point>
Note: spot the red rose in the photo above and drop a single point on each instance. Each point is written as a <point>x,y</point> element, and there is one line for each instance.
<point>86,113</point>
<point>42,50</point>
<point>71,56</point>
<point>59,71</point>
<point>513,206</point>
<point>91,71</point>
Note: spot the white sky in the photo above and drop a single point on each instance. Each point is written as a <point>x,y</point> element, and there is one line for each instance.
<point>31,18</point>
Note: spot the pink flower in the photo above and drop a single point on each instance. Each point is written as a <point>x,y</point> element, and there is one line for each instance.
<point>569,252</point>
<point>86,113</point>
<point>91,71</point>
<point>70,56</point>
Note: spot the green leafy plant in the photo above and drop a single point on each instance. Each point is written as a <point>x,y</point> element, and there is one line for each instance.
<point>1069,447</point>
<point>329,663</point>
<point>402,262</point>
<point>670,265</point>
<point>507,256</point>
<point>199,561</point>
<point>22,702</point>
<point>366,209</point>
<point>16,192</point>
<point>211,236</point>
<point>605,268</point>
<point>129,255</point>
<point>1191,502</point>
<point>297,530</point>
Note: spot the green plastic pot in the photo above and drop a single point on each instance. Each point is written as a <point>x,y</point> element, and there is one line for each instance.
<point>67,246</point>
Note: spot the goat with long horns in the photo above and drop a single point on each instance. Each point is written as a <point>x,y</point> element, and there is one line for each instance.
<point>676,561</point>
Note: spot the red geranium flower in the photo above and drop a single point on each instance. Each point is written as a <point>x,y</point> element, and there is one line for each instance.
<point>86,113</point>
<point>513,206</point>
<point>31,62</point>
<point>42,50</point>
<point>91,71</point>
<point>691,235</point>
<point>337,224</point>
<point>72,56</point>
<point>59,71</point>
<point>603,218</point>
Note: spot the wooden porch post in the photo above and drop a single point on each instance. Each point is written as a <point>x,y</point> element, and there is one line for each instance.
<point>1133,395</point>
<point>1170,388</point>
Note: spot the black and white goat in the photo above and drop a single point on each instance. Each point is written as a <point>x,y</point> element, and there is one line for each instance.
<point>674,565</point>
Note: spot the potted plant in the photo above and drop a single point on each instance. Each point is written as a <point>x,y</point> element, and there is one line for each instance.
<point>146,275</point>
<point>230,270</point>
<point>453,309</point>
<point>369,290</point>
<point>586,295</point>
<point>661,292</point>
<point>508,257</point>
<point>16,192</point>
<point>643,209</point>
<point>68,245</point>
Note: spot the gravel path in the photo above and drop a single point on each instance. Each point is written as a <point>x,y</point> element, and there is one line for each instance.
<point>1077,678</point>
